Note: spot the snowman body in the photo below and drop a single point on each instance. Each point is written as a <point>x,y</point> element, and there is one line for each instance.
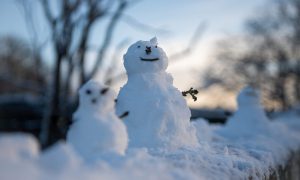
<point>158,114</point>
<point>250,117</point>
<point>96,129</point>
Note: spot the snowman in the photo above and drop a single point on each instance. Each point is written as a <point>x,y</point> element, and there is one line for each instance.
<point>250,117</point>
<point>159,115</point>
<point>96,129</point>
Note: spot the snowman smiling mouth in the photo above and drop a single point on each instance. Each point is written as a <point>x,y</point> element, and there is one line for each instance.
<point>149,59</point>
<point>148,52</point>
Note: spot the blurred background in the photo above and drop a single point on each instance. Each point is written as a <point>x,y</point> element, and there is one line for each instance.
<point>49,48</point>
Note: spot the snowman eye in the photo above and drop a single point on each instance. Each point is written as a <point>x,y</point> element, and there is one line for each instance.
<point>88,92</point>
<point>156,46</point>
<point>138,46</point>
<point>103,91</point>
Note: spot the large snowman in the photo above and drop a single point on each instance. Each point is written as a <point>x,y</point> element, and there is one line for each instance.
<point>158,114</point>
<point>96,129</point>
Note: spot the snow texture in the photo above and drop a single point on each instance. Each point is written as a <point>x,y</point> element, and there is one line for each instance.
<point>96,129</point>
<point>215,158</point>
<point>249,146</point>
<point>203,130</point>
<point>158,114</point>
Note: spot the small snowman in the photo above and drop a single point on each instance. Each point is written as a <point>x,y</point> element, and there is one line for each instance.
<point>159,115</point>
<point>250,117</point>
<point>96,129</point>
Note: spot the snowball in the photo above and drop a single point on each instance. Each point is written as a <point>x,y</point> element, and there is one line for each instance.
<point>145,56</point>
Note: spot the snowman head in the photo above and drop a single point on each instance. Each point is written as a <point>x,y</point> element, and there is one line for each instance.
<point>96,97</point>
<point>248,96</point>
<point>145,56</point>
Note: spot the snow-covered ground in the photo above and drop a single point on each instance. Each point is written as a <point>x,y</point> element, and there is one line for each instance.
<point>216,156</point>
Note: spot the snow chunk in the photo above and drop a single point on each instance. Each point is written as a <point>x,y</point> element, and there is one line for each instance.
<point>18,146</point>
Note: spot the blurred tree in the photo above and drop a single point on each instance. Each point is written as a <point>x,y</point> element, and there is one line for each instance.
<point>267,57</point>
<point>19,71</point>
<point>71,23</point>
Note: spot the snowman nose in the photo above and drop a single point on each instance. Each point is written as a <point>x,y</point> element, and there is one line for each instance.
<point>148,49</point>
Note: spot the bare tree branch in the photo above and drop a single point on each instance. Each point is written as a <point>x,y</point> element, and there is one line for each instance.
<point>109,73</point>
<point>107,38</point>
<point>70,34</point>
<point>192,43</point>
<point>47,11</point>
<point>142,26</point>
<point>92,16</point>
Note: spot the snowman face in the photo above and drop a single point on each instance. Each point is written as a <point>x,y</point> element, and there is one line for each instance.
<point>145,56</point>
<point>94,96</point>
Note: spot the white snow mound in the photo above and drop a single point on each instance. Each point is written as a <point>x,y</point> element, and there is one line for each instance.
<point>249,118</point>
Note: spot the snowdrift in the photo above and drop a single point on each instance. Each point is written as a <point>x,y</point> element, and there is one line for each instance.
<point>256,157</point>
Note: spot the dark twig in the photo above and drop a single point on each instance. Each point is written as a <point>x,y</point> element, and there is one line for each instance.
<point>125,114</point>
<point>192,92</point>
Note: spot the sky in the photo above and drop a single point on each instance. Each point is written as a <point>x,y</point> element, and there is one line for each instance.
<point>178,18</point>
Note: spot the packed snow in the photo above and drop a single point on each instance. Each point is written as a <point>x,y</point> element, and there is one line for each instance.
<point>158,113</point>
<point>96,129</point>
<point>163,143</point>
